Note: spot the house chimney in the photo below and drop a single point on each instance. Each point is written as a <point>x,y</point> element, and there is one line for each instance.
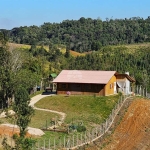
<point>127,73</point>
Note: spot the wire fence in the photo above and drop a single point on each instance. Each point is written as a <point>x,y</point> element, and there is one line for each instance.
<point>77,140</point>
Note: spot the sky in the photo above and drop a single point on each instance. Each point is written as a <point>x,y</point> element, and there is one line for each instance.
<point>16,13</point>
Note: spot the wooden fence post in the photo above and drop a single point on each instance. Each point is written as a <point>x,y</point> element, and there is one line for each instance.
<point>64,142</point>
<point>145,92</point>
<point>60,142</point>
<point>137,90</point>
<point>85,137</point>
<point>81,138</point>
<point>73,141</point>
<point>49,144</point>
<point>54,144</point>
<point>96,132</point>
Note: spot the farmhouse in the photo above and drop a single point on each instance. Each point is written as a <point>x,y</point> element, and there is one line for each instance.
<point>85,82</point>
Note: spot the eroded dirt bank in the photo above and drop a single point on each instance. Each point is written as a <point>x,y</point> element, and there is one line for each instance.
<point>134,130</point>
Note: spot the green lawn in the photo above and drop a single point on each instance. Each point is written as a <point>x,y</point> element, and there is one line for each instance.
<point>40,118</point>
<point>87,109</point>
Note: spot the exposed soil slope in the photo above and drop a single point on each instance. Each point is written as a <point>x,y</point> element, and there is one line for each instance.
<point>133,133</point>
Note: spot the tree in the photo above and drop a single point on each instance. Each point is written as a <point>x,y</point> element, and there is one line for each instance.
<point>67,54</point>
<point>5,74</point>
<point>23,111</point>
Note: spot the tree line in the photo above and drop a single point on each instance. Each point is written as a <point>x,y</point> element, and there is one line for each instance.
<point>15,81</point>
<point>85,34</point>
<point>117,58</point>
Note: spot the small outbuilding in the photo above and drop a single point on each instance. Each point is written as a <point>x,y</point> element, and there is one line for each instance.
<point>93,82</point>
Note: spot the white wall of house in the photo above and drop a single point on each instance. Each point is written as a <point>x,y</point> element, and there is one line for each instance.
<point>127,85</point>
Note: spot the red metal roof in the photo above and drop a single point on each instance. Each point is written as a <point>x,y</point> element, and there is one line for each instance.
<point>84,76</point>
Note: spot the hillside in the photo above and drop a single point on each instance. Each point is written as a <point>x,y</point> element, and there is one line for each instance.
<point>85,34</point>
<point>25,46</point>
<point>133,132</point>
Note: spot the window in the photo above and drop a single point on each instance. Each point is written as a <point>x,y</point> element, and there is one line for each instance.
<point>87,86</point>
<point>64,86</point>
<point>59,86</point>
<point>78,85</point>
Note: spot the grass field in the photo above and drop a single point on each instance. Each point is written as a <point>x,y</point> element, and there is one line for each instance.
<point>41,117</point>
<point>132,48</point>
<point>87,109</point>
<point>24,46</point>
<point>38,120</point>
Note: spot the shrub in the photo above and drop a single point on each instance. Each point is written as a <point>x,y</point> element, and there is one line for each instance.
<point>81,128</point>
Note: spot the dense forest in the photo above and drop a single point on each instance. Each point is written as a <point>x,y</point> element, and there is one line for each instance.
<point>119,58</point>
<point>85,34</point>
<point>102,40</point>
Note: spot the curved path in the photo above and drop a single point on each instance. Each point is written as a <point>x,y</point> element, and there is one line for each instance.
<point>36,98</point>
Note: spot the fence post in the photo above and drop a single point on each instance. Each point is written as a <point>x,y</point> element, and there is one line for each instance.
<point>145,92</point>
<point>46,124</point>
<point>112,113</point>
<point>140,90</point>
<point>137,90</point>
<point>77,140</point>
<point>96,132</point>
<point>121,99</point>
<point>106,125</point>
<point>81,138</point>
<point>73,141</point>
<point>64,142</point>
<point>44,144</point>
<point>49,144</point>
<point>101,129</point>
<point>60,143</point>
<point>38,144</point>
<point>90,136</point>
<point>85,137</point>
<point>54,144</point>
<point>118,105</point>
